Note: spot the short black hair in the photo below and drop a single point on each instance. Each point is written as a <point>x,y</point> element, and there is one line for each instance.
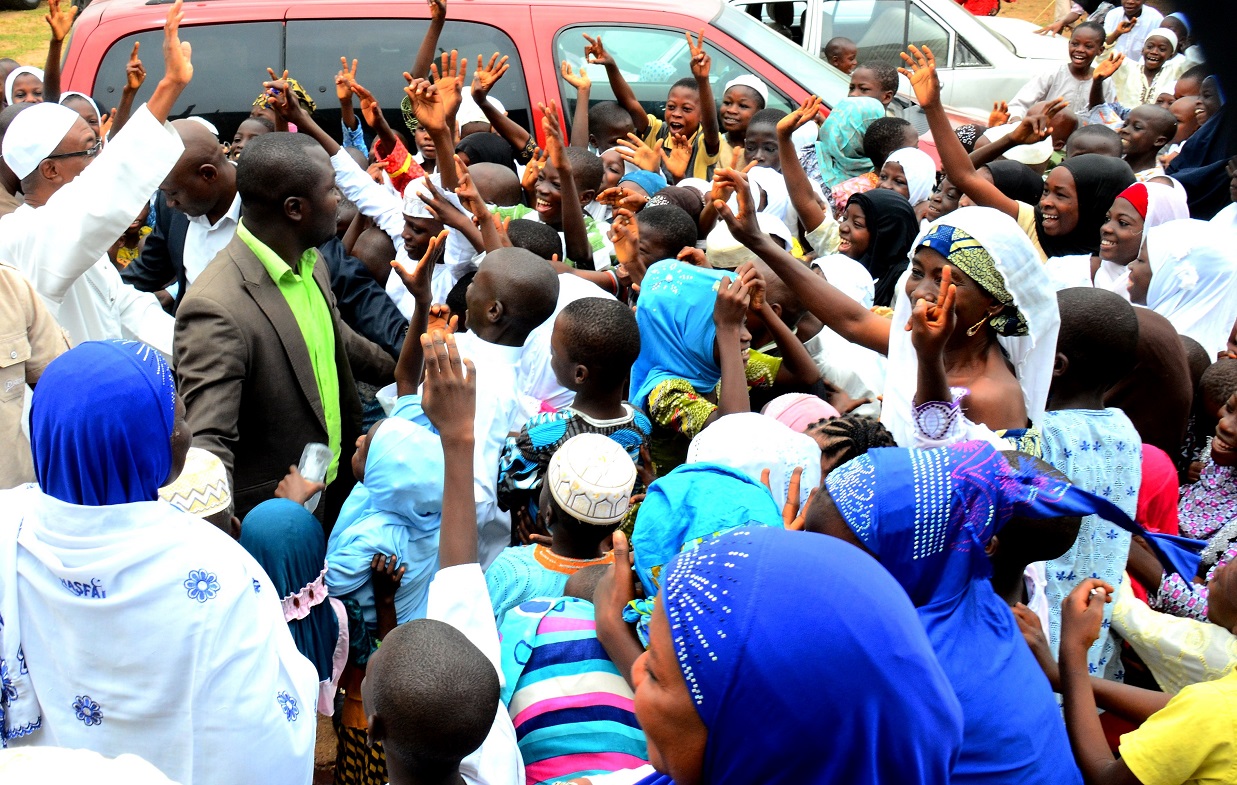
<point>525,284</point>
<point>668,227</point>
<point>1098,335</point>
<point>274,167</point>
<point>535,236</point>
<point>1093,26</point>
<point>496,184</point>
<point>1164,120</point>
<point>1098,132</point>
<point>435,693</point>
<point>883,136</point>
<point>457,298</point>
<point>586,168</point>
<point>1198,359</point>
<point>1219,381</point>
<point>1198,72</point>
<point>886,74</point>
<point>601,334</point>
<point>768,116</point>
<point>850,436</point>
<point>836,44</point>
<point>606,114</point>
<point>689,82</point>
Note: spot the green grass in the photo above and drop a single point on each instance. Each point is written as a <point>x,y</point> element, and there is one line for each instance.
<point>24,36</point>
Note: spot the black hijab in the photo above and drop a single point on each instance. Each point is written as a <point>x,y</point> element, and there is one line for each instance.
<point>1017,181</point>
<point>1200,166</point>
<point>487,148</point>
<point>892,225</point>
<point>1098,179</point>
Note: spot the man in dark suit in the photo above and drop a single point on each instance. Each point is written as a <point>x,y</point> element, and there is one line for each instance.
<point>263,359</point>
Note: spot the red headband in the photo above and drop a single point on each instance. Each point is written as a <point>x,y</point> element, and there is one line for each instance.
<point>1136,195</point>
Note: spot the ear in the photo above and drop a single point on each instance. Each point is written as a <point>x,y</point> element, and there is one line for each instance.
<point>495,312</point>
<point>376,731</point>
<point>49,171</point>
<point>1060,365</point>
<point>993,544</point>
<point>1162,140</point>
<point>888,97</point>
<point>294,208</point>
<point>580,373</point>
<point>587,196</point>
<point>777,309</point>
<point>208,172</point>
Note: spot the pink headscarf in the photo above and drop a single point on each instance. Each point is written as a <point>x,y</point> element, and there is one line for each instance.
<point>799,410</point>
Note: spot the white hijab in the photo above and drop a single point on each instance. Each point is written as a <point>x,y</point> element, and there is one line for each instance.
<point>919,169</point>
<point>74,94</point>
<point>750,443</point>
<point>1034,295</point>
<point>1164,203</point>
<point>12,77</point>
<point>1194,279</point>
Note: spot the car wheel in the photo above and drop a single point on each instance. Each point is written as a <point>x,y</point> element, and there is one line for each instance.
<point>22,5</point>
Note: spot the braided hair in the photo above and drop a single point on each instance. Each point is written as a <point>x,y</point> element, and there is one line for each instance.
<point>847,437</point>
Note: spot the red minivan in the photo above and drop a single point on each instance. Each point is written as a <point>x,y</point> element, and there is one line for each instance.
<point>235,41</point>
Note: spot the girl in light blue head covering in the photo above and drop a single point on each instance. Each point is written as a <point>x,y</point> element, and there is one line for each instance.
<point>839,151</point>
<point>395,510</point>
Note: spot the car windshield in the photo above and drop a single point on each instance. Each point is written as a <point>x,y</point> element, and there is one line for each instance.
<point>1004,41</point>
<point>808,72</point>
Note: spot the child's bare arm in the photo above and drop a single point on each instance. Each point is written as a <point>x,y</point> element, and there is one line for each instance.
<point>729,312</point>
<point>60,21</point>
<point>700,65</point>
<point>596,53</point>
<point>288,108</point>
<point>425,54</point>
<point>615,589</point>
<point>135,76</point>
<point>575,233</point>
<point>430,111</point>
<point>450,402</point>
<point>372,112</point>
<point>797,183</point>
<point>579,120</point>
<point>483,80</point>
<point>411,360</point>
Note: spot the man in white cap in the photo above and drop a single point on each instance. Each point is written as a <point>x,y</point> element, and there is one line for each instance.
<point>81,197</point>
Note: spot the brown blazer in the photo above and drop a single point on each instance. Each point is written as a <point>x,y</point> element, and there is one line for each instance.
<point>248,383</point>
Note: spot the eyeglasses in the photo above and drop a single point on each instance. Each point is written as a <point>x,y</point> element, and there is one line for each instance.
<point>89,152</point>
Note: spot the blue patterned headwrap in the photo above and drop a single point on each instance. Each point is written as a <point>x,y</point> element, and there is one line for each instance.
<point>101,424</point>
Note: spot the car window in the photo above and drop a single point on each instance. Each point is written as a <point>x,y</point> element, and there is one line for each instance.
<point>229,65</point>
<point>651,59</point>
<point>965,56</point>
<point>786,18</point>
<point>924,30</point>
<point>876,26</point>
<point>386,48</point>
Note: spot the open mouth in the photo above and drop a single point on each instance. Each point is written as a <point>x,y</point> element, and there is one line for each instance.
<point>844,245</point>
<point>675,127</point>
<point>1221,446</point>
<point>542,205</point>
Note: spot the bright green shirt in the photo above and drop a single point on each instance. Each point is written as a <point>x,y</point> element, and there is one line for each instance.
<point>313,316</point>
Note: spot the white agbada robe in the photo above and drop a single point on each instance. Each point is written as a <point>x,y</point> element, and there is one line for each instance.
<point>62,246</point>
<point>137,628</point>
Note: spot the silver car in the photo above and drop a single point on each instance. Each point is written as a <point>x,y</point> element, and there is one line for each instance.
<point>980,59</point>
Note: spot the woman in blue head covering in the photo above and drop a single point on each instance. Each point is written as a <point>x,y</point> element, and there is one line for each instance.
<point>287,540</point>
<point>779,657</point>
<point>928,517</point>
<point>693,349</point>
<point>106,425</point>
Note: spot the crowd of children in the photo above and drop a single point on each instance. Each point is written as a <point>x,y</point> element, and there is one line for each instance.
<point>706,435</point>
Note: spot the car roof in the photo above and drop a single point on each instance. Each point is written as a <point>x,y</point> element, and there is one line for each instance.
<point>115,9</point>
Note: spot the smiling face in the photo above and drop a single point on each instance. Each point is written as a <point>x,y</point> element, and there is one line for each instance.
<point>675,733</point>
<point>1141,134</point>
<point>1187,119</point>
<point>845,59</point>
<point>1208,100</point>
<point>1122,233</point>
<point>549,195</point>
<point>760,146</point>
<point>944,199</point>
<point>682,113</point>
<point>27,89</point>
<point>924,283</point>
<point>1224,445</point>
<point>893,178</point>
<point>1156,51</point>
<point>854,232</point>
<point>1140,276</point>
<point>1059,204</point>
<point>247,130</point>
<point>739,103</point>
<point>1084,45</point>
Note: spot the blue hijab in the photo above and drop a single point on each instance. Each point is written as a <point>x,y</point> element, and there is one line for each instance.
<point>101,423</point>
<point>926,515</point>
<point>396,511</point>
<point>809,667</point>
<point>287,540</point>
<point>675,316</point>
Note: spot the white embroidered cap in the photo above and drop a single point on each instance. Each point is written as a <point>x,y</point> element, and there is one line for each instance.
<point>591,478</point>
<point>35,134</point>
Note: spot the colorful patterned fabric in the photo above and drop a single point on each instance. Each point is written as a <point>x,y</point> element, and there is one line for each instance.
<point>1210,503</point>
<point>964,252</point>
<point>525,456</point>
<point>1182,597</point>
<point>843,191</point>
<point>400,166</point>
<point>572,709</point>
<point>523,573</point>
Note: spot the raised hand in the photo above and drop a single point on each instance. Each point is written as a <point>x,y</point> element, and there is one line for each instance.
<point>695,257</point>
<point>177,54</point>
<point>450,397</point>
<point>449,80</point>
<point>296,488</point>
<point>105,123</point>
<point>59,19</point>
<point>1052,29</point>
<point>638,153</point>
<point>931,324</point>
<point>135,72</point>
<point>801,116</point>
<point>370,109</point>
<point>742,224</point>
<point>733,298</point>
<point>1033,128</point>
<point>279,97</point>
<point>579,80</point>
<point>500,226</point>
<point>1124,26</point>
<point>417,282</point>
<point>553,130</point>
<point>922,75</point>
<point>438,10</point>
<point>625,234</point>
<point>618,196</point>
<point>344,79</point>
<point>999,114</point>
<point>750,275</point>
<point>595,53</point>
<point>1108,66</point>
<point>680,156</point>
<point>533,170</point>
<point>467,192</point>
<point>427,105</point>
<point>700,62</point>
<point>440,319</point>
<point>618,586</point>
<point>793,517</point>
<point>386,574</point>
<point>486,76</point>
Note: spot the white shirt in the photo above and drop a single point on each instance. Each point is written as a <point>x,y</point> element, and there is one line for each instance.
<point>61,247</point>
<point>1062,83</point>
<point>145,630</point>
<point>1131,44</point>
<point>457,596</point>
<point>204,240</point>
<point>1227,217</point>
<point>537,379</point>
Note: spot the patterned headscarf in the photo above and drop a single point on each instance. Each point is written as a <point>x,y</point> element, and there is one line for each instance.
<point>964,252</point>
<point>301,95</point>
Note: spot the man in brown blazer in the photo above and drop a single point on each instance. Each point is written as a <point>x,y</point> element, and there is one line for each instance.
<point>263,360</point>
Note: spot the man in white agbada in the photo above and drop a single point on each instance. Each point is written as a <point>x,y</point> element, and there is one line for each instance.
<point>128,626</point>
<point>81,196</point>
